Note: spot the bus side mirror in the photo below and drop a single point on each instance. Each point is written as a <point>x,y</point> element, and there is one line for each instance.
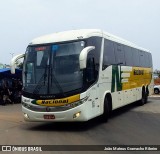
<point>14,60</point>
<point>83,56</point>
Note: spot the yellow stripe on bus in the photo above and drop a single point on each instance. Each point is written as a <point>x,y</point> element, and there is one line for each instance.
<point>58,102</point>
<point>138,77</point>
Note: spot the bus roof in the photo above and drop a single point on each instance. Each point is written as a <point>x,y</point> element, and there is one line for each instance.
<point>81,34</point>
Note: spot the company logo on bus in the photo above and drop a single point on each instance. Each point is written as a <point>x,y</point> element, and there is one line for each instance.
<point>138,72</point>
<point>57,102</point>
<point>54,101</point>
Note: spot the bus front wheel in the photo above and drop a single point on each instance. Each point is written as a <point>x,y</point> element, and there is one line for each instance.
<point>105,114</point>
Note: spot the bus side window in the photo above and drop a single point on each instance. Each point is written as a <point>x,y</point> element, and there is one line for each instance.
<point>136,59</point>
<point>108,54</point>
<point>119,53</point>
<point>95,41</point>
<point>145,59</point>
<point>142,58</point>
<point>90,70</point>
<point>128,56</point>
<point>149,60</point>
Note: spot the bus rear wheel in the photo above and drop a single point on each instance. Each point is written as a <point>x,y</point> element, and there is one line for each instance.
<point>147,94</point>
<point>106,111</point>
<point>144,98</point>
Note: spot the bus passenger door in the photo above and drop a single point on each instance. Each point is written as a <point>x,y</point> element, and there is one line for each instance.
<point>94,101</point>
<point>91,77</point>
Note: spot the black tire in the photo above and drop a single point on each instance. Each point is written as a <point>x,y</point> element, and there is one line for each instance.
<point>105,115</point>
<point>144,98</point>
<point>147,94</point>
<point>156,91</point>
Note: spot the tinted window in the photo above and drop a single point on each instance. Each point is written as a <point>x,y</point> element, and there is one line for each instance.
<point>146,62</point>
<point>149,60</point>
<point>115,53</point>
<point>108,54</point>
<point>119,52</point>
<point>128,56</point>
<point>95,54</point>
<point>135,54</point>
<point>142,58</point>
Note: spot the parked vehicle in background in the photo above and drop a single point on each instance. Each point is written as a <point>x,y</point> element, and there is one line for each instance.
<point>156,89</point>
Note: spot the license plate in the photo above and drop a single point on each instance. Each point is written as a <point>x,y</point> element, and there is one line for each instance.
<point>49,116</point>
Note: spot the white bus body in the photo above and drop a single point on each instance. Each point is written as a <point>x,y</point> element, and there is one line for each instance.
<point>81,74</point>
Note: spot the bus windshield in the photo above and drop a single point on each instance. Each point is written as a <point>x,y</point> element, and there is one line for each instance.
<point>53,69</point>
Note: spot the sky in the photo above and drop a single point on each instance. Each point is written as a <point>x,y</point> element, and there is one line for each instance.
<point>21,21</point>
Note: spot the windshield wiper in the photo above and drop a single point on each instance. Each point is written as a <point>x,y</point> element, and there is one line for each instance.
<point>45,75</point>
<point>53,78</point>
<point>42,79</point>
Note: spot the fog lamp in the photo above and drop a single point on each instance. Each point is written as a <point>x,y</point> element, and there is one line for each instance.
<point>76,115</point>
<point>26,116</point>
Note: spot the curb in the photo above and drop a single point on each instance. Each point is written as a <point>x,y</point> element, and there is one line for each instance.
<point>156,97</point>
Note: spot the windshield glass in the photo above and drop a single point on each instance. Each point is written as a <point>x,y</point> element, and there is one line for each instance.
<point>53,69</point>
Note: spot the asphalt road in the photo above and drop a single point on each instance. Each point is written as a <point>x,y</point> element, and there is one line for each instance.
<point>130,125</point>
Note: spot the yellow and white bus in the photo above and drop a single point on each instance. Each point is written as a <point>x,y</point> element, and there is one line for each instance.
<point>81,74</point>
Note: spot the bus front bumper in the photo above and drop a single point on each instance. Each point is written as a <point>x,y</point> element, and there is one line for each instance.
<point>78,113</point>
